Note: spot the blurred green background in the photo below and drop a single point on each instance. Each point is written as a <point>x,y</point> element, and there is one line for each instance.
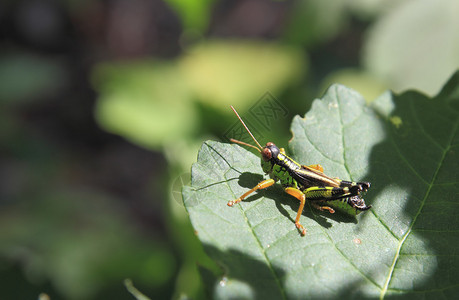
<point>104,105</point>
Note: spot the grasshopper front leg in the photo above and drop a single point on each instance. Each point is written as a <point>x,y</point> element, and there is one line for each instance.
<point>261,185</point>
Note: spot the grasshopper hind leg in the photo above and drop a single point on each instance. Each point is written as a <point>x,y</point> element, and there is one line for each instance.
<point>302,198</point>
<point>323,207</point>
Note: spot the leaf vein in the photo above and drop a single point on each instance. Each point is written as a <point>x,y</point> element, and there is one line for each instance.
<point>397,255</point>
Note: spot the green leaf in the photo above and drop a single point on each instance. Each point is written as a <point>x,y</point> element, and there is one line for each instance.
<point>406,245</point>
<point>250,68</point>
<point>193,14</point>
<point>312,22</point>
<point>146,102</point>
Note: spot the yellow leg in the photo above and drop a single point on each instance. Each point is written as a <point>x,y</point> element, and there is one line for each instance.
<point>317,167</point>
<point>300,196</point>
<point>322,208</point>
<point>262,185</point>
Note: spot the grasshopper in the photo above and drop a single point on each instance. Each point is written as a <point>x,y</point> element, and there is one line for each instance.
<point>305,182</point>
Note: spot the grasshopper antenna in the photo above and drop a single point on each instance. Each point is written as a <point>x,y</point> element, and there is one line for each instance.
<point>245,144</point>
<point>242,143</point>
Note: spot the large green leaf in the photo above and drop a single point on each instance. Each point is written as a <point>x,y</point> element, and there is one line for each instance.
<point>406,245</point>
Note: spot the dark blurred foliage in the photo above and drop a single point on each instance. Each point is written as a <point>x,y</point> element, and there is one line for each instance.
<point>81,209</point>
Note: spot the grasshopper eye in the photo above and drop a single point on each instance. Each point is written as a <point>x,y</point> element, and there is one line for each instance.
<point>267,154</point>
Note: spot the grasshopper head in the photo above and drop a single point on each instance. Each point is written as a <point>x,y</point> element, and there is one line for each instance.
<point>268,155</point>
<point>269,151</point>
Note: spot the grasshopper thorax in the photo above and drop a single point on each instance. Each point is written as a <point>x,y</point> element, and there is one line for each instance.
<point>270,151</point>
